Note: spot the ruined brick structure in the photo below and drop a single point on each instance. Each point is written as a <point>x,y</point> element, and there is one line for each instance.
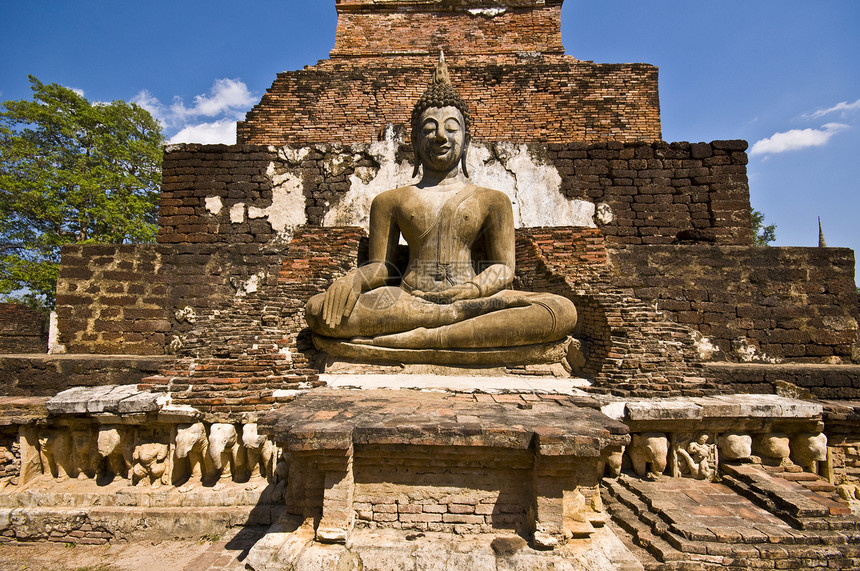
<point>685,328</point>
<point>507,62</point>
<point>22,330</point>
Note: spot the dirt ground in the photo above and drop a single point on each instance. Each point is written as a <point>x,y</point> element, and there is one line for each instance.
<point>206,554</point>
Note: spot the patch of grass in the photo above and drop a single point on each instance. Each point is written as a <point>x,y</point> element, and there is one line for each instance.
<point>210,538</point>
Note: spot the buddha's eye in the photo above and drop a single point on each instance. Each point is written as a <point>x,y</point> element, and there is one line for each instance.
<point>452,125</point>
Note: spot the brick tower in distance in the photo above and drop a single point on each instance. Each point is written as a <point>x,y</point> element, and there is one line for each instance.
<point>506,59</point>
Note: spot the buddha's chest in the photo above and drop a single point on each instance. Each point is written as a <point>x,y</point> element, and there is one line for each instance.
<point>435,217</point>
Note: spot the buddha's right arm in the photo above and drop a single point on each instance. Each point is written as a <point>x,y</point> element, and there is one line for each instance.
<point>342,295</point>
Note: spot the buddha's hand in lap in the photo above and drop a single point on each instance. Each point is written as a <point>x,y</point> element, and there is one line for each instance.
<point>340,299</point>
<point>450,295</point>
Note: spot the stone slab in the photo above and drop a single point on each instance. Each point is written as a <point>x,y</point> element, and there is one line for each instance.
<point>125,399</point>
<point>553,352</point>
<point>330,419</point>
<point>704,408</point>
<point>294,548</point>
<point>460,383</point>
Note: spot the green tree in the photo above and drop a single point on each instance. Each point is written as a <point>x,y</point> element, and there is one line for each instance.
<point>762,235</point>
<point>71,171</point>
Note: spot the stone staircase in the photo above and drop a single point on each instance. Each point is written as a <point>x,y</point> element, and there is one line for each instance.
<point>756,518</point>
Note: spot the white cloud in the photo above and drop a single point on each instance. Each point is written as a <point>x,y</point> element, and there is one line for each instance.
<point>226,96</point>
<point>226,103</point>
<point>223,131</point>
<point>842,107</point>
<point>149,102</point>
<point>796,139</point>
<point>80,92</point>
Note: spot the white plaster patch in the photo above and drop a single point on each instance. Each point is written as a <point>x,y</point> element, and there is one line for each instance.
<point>533,187</point>
<point>54,345</point>
<point>488,12</point>
<point>186,314</point>
<point>704,347</point>
<point>177,342</point>
<point>237,213</point>
<point>615,410</point>
<point>287,211</point>
<point>604,213</point>
<point>354,208</point>
<point>293,156</point>
<point>214,204</point>
<point>251,285</point>
<point>749,353</point>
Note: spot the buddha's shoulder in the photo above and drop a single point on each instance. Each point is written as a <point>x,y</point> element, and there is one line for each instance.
<point>393,195</point>
<point>491,195</point>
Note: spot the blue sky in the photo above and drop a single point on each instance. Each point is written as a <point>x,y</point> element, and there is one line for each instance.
<point>784,75</point>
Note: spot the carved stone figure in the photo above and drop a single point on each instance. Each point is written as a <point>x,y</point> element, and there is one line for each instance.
<point>610,462</point>
<point>698,455</point>
<point>116,448</point>
<point>735,446</point>
<point>454,294</point>
<point>224,450</point>
<point>261,452</point>
<point>150,463</point>
<point>649,449</point>
<point>774,446</point>
<point>192,445</point>
<point>807,450</point>
<point>55,450</point>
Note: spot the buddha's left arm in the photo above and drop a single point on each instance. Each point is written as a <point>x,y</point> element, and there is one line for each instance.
<point>500,240</point>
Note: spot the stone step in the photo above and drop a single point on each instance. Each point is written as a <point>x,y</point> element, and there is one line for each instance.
<point>652,550</point>
<point>790,496</point>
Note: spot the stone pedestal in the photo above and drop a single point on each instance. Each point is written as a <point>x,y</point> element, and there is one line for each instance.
<point>440,462</point>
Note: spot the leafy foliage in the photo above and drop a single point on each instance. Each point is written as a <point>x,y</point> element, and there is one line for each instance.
<point>72,171</point>
<point>762,235</point>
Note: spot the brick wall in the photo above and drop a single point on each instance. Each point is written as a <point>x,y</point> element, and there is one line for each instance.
<point>657,190</point>
<point>477,491</point>
<point>755,304</point>
<point>22,330</point>
<point>368,29</point>
<point>111,299</point>
<point>568,100</point>
<point>219,194</point>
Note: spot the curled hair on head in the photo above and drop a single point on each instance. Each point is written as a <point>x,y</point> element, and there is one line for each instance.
<point>440,94</point>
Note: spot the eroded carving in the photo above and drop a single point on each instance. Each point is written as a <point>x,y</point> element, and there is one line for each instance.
<point>699,457</point>
<point>224,450</point>
<point>649,454</point>
<point>150,463</point>
<point>115,445</point>
<point>260,451</point>
<point>192,452</point>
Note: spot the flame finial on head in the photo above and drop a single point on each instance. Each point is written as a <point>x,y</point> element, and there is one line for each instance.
<point>441,73</point>
<point>441,93</point>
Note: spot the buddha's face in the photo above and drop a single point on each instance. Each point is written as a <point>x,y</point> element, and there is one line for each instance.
<point>441,136</point>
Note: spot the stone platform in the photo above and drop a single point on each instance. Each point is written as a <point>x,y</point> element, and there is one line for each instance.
<point>82,511</point>
<point>444,462</point>
<point>291,547</point>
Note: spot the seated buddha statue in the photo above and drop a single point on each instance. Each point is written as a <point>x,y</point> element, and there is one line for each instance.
<point>447,297</point>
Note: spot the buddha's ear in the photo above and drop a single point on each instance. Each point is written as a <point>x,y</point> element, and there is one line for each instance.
<point>417,161</point>
<point>463,158</point>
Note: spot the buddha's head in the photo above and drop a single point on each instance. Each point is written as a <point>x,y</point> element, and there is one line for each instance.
<point>440,125</point>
